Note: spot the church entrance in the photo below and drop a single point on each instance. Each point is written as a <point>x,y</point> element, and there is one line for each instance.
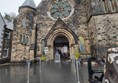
<point>61,45</point>
<point>61,40</point>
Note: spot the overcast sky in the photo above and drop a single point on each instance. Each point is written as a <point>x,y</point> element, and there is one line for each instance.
<point>9,6</point>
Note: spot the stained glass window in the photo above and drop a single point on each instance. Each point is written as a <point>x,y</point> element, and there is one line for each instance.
<point>60,9</point>
<point>82,44</point>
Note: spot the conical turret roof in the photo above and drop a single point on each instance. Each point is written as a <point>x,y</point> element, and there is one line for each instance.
<point>29,3</point>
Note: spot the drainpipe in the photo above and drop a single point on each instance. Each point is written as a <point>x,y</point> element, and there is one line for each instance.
<point>35,45</point>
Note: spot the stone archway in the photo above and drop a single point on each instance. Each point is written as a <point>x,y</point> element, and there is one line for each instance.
<point>51,38</point>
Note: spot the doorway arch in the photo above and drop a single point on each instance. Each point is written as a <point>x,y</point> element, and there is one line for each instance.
<point>50,39</point>
<point>61,45</point>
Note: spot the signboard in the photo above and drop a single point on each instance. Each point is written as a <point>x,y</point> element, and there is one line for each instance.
<point>57,57</point>
<point>45,49</point>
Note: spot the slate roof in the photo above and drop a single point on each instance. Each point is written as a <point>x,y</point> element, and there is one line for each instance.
<point>6,22</point>
<point>9,24</point>
<point>1,20</point>
<point>29,3</point>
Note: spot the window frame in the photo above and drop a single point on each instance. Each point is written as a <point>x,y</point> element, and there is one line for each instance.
<point>7,33</point>
<point>7,49</point>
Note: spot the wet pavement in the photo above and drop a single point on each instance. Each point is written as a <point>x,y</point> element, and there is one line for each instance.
<point>50,72</point>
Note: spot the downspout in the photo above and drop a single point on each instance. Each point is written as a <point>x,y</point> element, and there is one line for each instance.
<point>35,45</point>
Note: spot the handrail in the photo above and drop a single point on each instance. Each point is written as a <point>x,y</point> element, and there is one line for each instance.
<point>28,67</point>
<point>78,80</point>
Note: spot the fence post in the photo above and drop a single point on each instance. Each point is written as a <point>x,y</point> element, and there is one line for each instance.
<point>77,72</point>
<point>28,66</point>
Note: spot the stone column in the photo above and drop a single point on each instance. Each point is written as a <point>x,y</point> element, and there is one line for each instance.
<point>51,55</point>
<point>71,48</point>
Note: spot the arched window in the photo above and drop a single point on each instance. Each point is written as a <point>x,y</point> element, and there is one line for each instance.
<point>23,22</point>
<point>115,5</point>
<point>105,5</point>
<point>110,5</point>
<point>21,39</point>
<point>82,44</point>
<point>26,40</point>
<point>102,2</point>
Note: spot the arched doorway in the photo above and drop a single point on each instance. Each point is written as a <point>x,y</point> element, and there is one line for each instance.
<point>53,38</point>
<point>61,45</point>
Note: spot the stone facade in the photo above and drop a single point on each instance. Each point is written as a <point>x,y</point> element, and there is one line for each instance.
<point>93,24</point>
<point>20,50</point>
<point>103,31</point>
<point>77,22</point>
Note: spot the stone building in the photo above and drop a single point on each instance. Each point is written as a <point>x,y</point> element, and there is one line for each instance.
<point>64,25</point>
<point>2,23</point>
<point>6,28</point>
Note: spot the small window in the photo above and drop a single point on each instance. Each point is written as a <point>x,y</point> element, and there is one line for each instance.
<point>7,35</point>
<point>24,22</point>
<point>21,38</point>
<point>31,46</point>
<point>5,53</point>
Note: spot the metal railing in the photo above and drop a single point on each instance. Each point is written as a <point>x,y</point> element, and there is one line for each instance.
<point>76,63</point>
<point>77,70</point>
<point>28,67</point>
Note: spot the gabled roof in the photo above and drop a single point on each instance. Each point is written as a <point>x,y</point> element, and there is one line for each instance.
<point>59,24</point>
<point>29,3</point>
<point>9,24</point>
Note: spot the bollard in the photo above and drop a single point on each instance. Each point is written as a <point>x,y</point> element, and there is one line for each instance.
<point>40,69</point>
<point>39,59</point>
<point>77,72</point>
<point>28,66</point>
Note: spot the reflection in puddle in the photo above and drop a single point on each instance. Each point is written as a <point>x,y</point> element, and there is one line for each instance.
<point>48,73</point>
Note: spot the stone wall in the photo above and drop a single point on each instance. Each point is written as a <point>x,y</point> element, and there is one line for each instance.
<point>22,51</point>
<point>103,30</point>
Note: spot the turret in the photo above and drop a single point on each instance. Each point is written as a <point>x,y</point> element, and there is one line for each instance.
<point>27,6</point>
